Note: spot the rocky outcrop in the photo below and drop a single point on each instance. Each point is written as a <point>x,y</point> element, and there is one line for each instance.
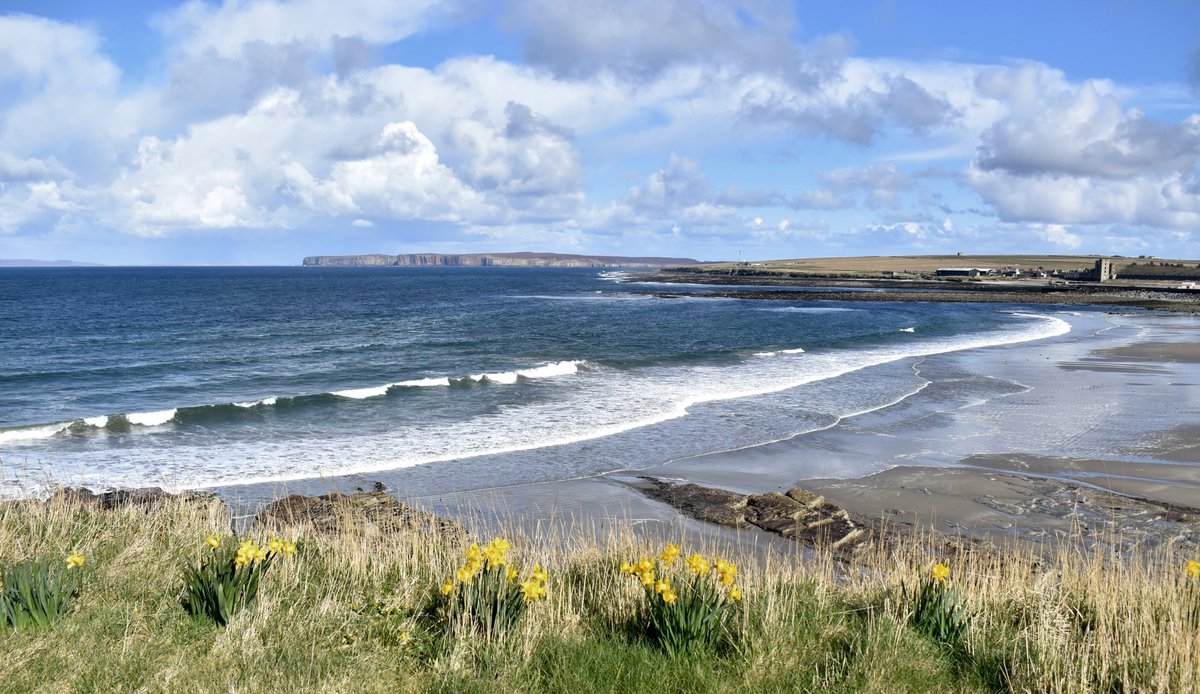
<point>798,515</point>
<point>364,513</point>
<point>145,498</point>
<point>489,260</point>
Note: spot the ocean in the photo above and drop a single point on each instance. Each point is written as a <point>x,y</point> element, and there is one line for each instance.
<point>444,378</point>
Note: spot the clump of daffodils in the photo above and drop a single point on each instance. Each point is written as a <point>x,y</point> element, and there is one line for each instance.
<point>487,592</point>
<point>937,609</point>
<point>226,577</point>
<point>687,602</point>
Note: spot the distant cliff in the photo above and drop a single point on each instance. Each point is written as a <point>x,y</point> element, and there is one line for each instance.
<point>489,260</point>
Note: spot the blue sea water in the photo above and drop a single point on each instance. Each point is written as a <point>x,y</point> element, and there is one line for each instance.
<point>209,377</point>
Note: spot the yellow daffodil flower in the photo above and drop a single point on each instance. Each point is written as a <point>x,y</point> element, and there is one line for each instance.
<point>532,590</point>
<point>669,554</point>
<point>213,542</point>
<point>275,545</point>
<point>940,572</point>
<point>735,594</point>
<point>464,574</point>
<point>511,574</point>
<point>74,560</point>
<point>1192,570</point>
<point>648,579</point>
<point>662,586</point>
<point>645,565</point>
<point>539,574</point>
<point>447,587</point>
<point>698,564</point>
<point>626,568</point>
<point>669,597</point>
<point>289,548</point>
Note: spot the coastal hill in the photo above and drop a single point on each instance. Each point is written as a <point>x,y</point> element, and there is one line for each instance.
<point>490,260</point>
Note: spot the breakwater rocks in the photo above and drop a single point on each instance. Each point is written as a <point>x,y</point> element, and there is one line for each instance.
<point>488,260</point>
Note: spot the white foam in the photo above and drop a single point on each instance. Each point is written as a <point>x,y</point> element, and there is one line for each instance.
<point>266,402</point>
<point>31,433</point>
<point>809,309</point>
<point>766,354</point>
<point>505,377</point>
<point>362,393</point>
<point>423,383</point>
<point>98,422</point>
<point>798,350</point>
<point>908,330</point>
<point>151,419</point>
<point>558,368</point>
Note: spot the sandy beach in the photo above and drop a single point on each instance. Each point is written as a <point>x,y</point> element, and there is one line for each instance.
<point>1083,435</point>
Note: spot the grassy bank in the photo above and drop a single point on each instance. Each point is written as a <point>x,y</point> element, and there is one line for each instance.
<point>358,612</point>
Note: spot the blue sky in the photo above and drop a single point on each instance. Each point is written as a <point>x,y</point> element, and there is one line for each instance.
<point>257,132</point>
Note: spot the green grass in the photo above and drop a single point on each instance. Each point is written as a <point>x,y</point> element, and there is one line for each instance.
<point>356,612</point>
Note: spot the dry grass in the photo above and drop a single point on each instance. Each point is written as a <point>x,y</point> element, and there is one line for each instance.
<point>350,613</point>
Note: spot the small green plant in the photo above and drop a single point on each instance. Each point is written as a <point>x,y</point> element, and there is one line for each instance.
<point>937,610</point>
<point>226,579</point>
<point>37,593</point>
<point>485,591</point>
<point>693,616</point>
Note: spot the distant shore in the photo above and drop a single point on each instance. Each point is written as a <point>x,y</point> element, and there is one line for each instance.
<point>839,289</point>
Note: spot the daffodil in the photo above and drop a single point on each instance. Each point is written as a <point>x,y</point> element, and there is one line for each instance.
<point>213,542</point>
<point>447,587</point>
<point>627,568</point>
<point>74,560</point>
<point>726,571</point>
<point>697,564</point>
<point>511,574</point>
<point>289,548</point>
<point>275,545</point>
<point>532,590</point>
<point>1192,570</point>
<point>940,572</point>
<point>644,565</point>
<point>669,554</point>
<point>669,596</point>
<point>662,586</point>
<point>735,594</point>
<point>539,574</point>
<point>464,574</point>
<point>647,579</point>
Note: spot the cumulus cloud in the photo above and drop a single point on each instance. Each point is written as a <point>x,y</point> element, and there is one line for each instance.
<point>641,41</point>
<point>223,29</point>
<point>1070,154</point>
<point>528,156</point>
<point>853,108</point>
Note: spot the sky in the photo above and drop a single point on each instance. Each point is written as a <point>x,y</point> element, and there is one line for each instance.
<point>256,132</point>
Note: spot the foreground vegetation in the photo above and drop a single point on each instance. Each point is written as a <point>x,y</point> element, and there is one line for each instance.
<point>363,611</point>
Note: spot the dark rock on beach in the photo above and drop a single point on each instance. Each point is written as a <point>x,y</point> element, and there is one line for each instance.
<point>364,513</point>
<point>798,515</point>
<point>146,498</point>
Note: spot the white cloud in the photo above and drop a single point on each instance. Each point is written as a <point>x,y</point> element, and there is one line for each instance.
<point>1071,154</point>
<point>224,29</point>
